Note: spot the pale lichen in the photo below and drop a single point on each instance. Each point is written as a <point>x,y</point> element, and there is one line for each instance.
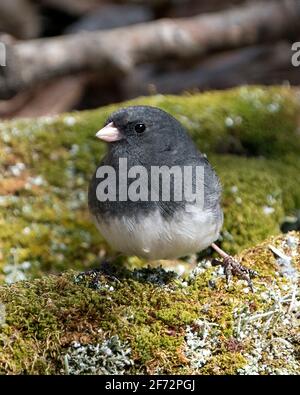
<point>202,338</point>
<point>110,357</point>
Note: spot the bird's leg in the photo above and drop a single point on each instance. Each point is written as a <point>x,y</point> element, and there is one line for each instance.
<point>233,267</point>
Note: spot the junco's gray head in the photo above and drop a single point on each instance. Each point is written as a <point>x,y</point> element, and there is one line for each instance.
<point>143,127</point>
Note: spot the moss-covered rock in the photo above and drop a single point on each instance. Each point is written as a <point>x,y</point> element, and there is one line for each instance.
<point>152,321</point>
<point>250,134</point>
<point>148,319</point>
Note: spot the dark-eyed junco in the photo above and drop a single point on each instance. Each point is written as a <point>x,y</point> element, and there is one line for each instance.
<point>156,220</point>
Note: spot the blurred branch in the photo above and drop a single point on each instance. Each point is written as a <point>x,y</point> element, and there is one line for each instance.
<point>79,7</point>
<point>120,50</point>
<point>75,7</point>
<point>260,64</point>
<point>19,18</point>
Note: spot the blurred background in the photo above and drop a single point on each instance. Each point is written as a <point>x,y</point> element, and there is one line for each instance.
<point>67,55</point>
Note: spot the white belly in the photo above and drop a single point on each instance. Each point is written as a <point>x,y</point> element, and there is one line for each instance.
<point>155,237</point>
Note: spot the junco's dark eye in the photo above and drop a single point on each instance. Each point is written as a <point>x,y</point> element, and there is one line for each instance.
<point>140,127</point>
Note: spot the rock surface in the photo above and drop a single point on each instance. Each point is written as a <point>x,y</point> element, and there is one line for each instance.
<point>152,321</point>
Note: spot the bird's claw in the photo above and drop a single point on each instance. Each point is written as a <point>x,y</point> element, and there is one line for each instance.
<point>234,268</point>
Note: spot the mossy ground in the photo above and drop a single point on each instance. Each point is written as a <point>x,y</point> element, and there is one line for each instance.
<point>250,134</point>
<point>195,324</point>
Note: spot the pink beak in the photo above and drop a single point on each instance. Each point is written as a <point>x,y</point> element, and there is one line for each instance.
<point>109,133</point>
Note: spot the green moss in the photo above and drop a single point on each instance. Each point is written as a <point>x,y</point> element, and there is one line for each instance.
<point>224,364</point>
<point>176,314</point>
<point>45,316</point>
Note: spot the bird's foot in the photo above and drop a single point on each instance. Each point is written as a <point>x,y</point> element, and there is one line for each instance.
<point>233,268</point>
